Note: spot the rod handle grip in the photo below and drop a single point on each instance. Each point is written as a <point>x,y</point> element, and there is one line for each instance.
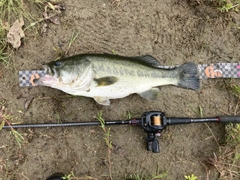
<point>229,119</point>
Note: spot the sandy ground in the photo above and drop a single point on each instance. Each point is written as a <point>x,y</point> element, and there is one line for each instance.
<point>174,32</point>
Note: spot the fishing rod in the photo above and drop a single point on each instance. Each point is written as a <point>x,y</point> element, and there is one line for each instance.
<point>152,122</point>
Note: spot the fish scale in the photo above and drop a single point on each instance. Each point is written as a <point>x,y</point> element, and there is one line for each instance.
<point>205,71</point>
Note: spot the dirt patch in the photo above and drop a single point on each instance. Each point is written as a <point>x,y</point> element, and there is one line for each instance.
<point>173,32</point>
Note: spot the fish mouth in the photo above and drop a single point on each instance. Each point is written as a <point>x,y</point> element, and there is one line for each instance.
<point>49,79</point>
<point>46,80</point>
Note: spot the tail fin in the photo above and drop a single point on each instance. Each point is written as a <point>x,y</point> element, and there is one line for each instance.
<point>189,76</point>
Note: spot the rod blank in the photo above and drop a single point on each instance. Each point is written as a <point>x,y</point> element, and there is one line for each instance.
<point>93,123</point>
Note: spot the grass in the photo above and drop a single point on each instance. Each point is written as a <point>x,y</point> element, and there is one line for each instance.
<point>190,177</point>
<point>62,53</point>
<point>154,176</point>
<point>4,55</point>
<point>200,114</point>
<point>233,87</point>
<point>108,142</point>
<point>233,133</point>
<point>228,5</point>
<point>140,177</point>
<point>12,10</point>
<point>71,176</point>
<point>227,160</point>
<point>72,39</point>
<point>5,118</point>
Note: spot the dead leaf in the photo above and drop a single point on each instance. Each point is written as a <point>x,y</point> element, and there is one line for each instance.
<point>16,33</point>
<point>28,102</point>
<point>52,11</point>
<point>52,18</point>
<point>55,20</point>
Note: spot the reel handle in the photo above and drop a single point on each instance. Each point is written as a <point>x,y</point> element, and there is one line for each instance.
<point>152,143</point>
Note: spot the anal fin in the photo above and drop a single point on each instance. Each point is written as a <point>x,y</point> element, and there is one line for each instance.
<point>102,100</point>
<point>150,94</point>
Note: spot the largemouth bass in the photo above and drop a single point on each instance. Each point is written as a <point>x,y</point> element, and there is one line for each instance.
<point>104,76</point>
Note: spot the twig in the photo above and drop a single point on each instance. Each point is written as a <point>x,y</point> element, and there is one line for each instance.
<point>43,19</point>
<point>219,148</point>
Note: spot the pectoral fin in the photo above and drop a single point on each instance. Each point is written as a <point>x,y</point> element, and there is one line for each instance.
<point>102,100</point>
<point>106,81</point>
<point>150,94</point>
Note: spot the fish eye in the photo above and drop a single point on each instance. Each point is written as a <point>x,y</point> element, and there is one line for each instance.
<point>58,63</point>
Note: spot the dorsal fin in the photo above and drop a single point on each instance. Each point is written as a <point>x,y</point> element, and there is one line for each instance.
<point>148,60</point>
<point>145,60</point>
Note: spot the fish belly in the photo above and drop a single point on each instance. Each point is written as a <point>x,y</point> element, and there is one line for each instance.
<point>123,88</point>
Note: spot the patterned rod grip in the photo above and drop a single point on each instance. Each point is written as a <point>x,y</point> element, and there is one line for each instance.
<point>219,70</point>
<point>26,77</point>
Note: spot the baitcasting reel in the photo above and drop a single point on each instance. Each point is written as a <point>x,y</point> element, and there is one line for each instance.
<point>153,123</point>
